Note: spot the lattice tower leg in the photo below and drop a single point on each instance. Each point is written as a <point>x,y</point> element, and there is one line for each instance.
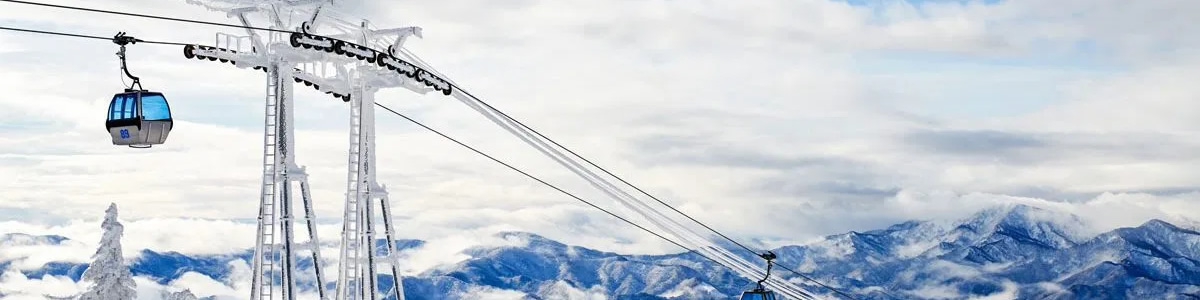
<point>311,220</point>
<point>367,107</point>
<point>397,285</point>
<point>286,147</point>
<point>372,286</point>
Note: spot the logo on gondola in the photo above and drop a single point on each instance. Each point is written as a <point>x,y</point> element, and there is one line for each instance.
<point>124,133</point>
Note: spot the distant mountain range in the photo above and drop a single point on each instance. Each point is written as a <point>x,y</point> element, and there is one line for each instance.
<point>1014,251</point>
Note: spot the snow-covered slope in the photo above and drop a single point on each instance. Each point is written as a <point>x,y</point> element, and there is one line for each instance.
<point>1013,250</point>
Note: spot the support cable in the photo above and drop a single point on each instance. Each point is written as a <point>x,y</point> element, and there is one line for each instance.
<point>622,180</point>
<point>589,162</point>
<point>143,15</point>
<point>535,178</point>
<point>840,293</point>
<point>109,39</point>
<point>724,257</point>
<point>509,118</point>
<point>668,224</point>
<point>539,180</point>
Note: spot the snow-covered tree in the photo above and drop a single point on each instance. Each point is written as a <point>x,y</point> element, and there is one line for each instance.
<point>185,294</point>
<point>110,277</point>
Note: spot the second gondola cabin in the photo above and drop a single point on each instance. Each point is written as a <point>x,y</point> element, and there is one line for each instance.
<point>758,294</point>
<point>139,118</point>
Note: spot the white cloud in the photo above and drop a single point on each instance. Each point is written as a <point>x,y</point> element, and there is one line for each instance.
<point>187,236</point>
<point>490,293</point>
<point>203,286</point>
<point>564,290</point>
<point>936,292</point>
<point>16,286</point>
<point>29,257</point>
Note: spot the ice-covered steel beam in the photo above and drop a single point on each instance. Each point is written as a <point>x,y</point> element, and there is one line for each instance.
<point>382,36</point>
<point>231,6</point>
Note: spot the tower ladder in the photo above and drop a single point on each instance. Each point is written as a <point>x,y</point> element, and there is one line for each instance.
<point>349,278</point>
<point>264,249</point>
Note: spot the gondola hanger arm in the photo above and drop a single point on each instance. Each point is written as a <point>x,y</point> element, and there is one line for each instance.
<point>121,39</point>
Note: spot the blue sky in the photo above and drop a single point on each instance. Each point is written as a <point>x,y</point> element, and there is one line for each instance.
<point>828,115</point>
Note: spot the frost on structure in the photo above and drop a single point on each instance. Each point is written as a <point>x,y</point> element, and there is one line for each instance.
<point>110,278</point>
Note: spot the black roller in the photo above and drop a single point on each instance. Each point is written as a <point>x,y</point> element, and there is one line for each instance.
<point>379,59</point>
<point>359,49</point>
<point>294,39</point>
<point>337,47</point>
<point>189,51</point>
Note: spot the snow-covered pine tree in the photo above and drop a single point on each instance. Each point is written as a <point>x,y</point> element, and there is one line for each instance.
<point>185,294</point>
<point>110,277</point>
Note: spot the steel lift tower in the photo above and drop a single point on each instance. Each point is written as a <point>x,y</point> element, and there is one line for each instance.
<point>289,58</point>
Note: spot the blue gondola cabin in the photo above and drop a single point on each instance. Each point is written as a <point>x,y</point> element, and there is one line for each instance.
<point>139,119</point>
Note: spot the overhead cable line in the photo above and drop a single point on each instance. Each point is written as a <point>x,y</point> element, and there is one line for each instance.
<point>539,180</point>
<point>552,141</point>
<point>622,180</point>
<point>819,283</point>
<point>144,15</point>
<point>85,36</point>
<point>757,253</point>
<point>666,223</point>
<point>523,132</point>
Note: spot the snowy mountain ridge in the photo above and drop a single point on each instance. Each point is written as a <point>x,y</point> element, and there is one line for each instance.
<point>1013,251</point>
